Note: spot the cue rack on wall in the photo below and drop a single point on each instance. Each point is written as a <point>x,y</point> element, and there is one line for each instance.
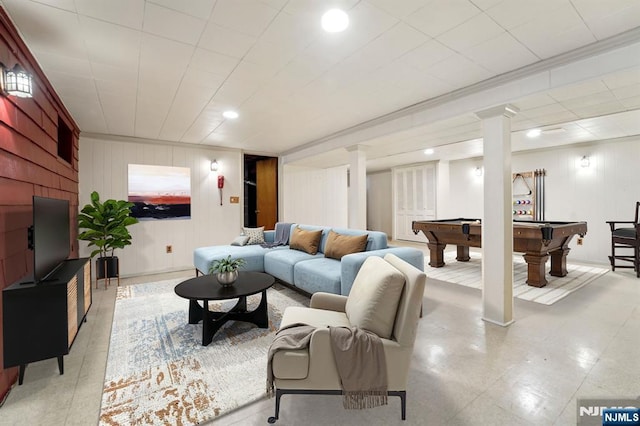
<point>528,195</point>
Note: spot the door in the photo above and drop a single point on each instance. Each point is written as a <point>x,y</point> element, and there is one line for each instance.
<point>414,199</point>
<point>267,192</point>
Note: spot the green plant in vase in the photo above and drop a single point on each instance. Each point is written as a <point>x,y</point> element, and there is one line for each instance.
<point>226,269</point>
<point>104,225</point>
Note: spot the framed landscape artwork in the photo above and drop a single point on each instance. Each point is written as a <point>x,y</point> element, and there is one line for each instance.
<point>160,192</point>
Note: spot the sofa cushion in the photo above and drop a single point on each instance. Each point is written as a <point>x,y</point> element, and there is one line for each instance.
<point>339,245</point>
<point>280,263</point>
<point>373,300</point>
<point>253,255</point>
<point>320,274</point>
<point>256,235</point>
<point>307,241</point>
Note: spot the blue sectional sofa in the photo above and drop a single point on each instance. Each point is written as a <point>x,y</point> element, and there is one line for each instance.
<point>310,273</point>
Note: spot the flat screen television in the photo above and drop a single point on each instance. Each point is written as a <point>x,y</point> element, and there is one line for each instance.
<point>49,236</point>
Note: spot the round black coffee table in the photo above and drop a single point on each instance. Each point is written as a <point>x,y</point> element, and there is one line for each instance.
<point>206,288</point>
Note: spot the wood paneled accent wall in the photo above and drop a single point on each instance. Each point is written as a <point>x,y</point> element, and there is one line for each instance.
<point>29,165</point>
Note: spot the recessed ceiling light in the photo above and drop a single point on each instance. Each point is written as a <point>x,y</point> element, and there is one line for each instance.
<point>230,114</point>
<point>429,151</point>
<point>534,133</point>
<point>335,21</point>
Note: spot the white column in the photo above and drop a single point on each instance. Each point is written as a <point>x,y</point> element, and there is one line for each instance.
<point>357,187</point>
<point>497,225</point>
<point>443,182</point>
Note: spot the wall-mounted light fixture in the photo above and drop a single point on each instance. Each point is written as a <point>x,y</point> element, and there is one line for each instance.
<point>16,82</point>
<point>214,165</point>
<point>478,171</point>
<point>584,161</point>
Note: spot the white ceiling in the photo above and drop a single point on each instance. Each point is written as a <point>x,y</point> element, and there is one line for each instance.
<point>167,69</point>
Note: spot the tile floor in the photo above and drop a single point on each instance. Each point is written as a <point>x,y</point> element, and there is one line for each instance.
<point>464,371</point>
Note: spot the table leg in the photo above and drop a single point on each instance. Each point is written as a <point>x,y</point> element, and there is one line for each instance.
<point>436,254</point>
<point>536,269</point>
<point>559,262</point>
<point>195,312</point>
<point>463,254</point>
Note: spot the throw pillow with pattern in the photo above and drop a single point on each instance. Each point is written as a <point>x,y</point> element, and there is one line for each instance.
<point>256,235</point>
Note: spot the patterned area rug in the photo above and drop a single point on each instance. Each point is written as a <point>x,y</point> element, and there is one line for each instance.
<point>469,274</point>
<point>159,373</point>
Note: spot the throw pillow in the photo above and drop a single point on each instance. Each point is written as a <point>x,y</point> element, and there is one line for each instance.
<point>374,297</point>
<point>338,245</point>
<point>240,240</point>
<point>256,235</point>
<point>307,241</point>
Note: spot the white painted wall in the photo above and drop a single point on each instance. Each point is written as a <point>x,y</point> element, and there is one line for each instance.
<point>315,196</point>
<point>605,191</point>
<point>103,168</point>
<point>379,201</point>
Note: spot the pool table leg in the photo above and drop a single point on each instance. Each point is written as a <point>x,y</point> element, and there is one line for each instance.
<point>436,254</point>
<point>463,254</point>
<point>559,262</point>
<point>536,269</point>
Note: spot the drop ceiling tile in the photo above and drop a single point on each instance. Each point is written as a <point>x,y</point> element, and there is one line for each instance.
<point>294,32</point>
<point>114,88</point>
<point>87,111</point>
<point>122,12</point>
<point>450,71</point>
<point>68,5</point>
<point>510,14</point>
<point>578,90</point>
<point>440,16</point>
<point>213,62</point>
<point>119,113</point>
<point>623,78</point>
<point>400,9</point>
<point>501,54</point>
<point>631,103</point>
<point>47,29</point>
<point>407,77</point>
<point>126,77</point>
<point>584,111</point>
<point>53,62</point>
<point>430,53</point>
<point>607,18</point>
<point>269,55</point>
<point>393,43</point>
<point>589,100</point>
<point>173,25</point>
<point>154,52</point>
<point>316,8</point>
<point>245,16</point>
<point>110,44</point>
<point>196,8</point>
<point>551,34</point>
<point>534,101</point>
<point>542,111</point>
<point>226,41</point>
<point>205,82</point>
<point>475,31</point>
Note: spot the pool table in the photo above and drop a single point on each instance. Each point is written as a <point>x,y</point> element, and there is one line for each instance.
<point>537,240</point>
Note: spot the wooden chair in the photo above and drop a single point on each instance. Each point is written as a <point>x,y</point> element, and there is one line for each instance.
<point>626,238</point>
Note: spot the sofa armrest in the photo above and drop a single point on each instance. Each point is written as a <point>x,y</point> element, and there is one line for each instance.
<point>328,301</point>
<point>351,263</point>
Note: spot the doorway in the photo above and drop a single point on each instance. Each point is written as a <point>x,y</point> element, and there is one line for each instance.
<point>260,191</point>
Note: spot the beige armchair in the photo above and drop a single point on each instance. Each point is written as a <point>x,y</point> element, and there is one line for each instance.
<point>386,299</point>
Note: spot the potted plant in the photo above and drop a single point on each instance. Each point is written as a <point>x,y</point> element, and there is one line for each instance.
<point>226,270</point>
<point>104,225</point>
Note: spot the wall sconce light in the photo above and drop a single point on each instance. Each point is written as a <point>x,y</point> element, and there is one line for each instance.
<point>214,166</point>
<point>17,82</point>
<point>478,171</point>
<point>584,161</point>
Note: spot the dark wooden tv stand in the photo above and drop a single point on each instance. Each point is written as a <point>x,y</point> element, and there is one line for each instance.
<point>41,321</point>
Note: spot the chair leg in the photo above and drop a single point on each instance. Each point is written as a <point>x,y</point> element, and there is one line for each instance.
<point>403,405</point>
<point>274,419</point>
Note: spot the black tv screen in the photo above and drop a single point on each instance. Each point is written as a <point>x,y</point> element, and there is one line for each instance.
<point>50,235</point>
